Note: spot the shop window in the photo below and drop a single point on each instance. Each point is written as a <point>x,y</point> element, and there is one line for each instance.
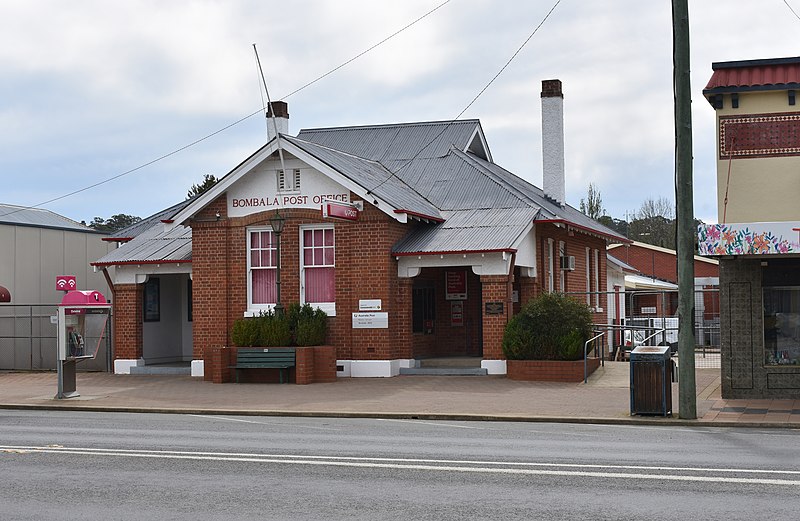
<point>423,304</point>
<point>262,261</point>
<point>318,269</point>
<point>781,293</point>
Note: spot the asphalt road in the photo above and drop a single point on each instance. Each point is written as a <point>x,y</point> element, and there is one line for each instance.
<point>83,465</point>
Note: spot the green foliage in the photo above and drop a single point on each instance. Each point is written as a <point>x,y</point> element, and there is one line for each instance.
<point>553,326</point>
<point>114,223</point>
<point>312,327</point>
<point>208,181</point>
<point>274,331</point>
<point>299,326</point>
<point>245,332</point>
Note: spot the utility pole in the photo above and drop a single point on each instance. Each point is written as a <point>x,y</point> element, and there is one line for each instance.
<point>687,387</point>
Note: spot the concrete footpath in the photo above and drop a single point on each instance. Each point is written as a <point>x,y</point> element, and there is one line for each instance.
<point>604,399</point>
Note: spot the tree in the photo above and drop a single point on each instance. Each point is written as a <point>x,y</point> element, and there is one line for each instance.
<point>654,223</point>
<point>114,223</point>
<point>593,205</point>
<point>208,181</point>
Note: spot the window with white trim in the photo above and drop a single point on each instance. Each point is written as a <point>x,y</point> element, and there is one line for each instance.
<point>318,268</point>
<point>597,279</point>
<point>262,261</point>
<point>588,278</point>
<point>562,254</point>
<point>290,182</point>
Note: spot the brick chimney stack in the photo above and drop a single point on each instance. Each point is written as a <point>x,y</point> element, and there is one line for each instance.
<point>279,111</point>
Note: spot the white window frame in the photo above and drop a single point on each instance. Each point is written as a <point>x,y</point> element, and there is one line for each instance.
<point>255,309</point>
<point>328,307</point>
<point>597,280</point>
<point>562,253</point>
<point>588,277</point>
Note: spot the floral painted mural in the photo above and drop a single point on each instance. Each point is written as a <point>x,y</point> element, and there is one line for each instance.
<point>749,238</point>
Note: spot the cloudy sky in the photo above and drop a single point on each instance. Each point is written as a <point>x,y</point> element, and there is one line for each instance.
<point>90,90</point>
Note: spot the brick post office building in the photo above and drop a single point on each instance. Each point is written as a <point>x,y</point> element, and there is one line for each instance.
<point>427,248</point>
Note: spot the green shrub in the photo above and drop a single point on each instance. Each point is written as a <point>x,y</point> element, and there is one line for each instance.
<point>553,326</point>
<point>274,330</point>
<point>245,332</point>
<point>312,327</point>
<point>299,326</point>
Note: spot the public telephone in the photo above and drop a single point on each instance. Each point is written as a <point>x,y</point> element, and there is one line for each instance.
<point>82,324</point>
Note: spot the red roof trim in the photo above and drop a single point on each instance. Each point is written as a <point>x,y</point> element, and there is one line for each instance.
<point>461,252</point>
<point>420,215</point>
<point>619,238</point>
<point>167,221</point>
<point>117,239</point>
<point>129,263</point>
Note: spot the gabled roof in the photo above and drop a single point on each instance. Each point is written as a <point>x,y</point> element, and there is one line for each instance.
<point>750,75</point>
<point>145,224</point>
<point>40,218</point>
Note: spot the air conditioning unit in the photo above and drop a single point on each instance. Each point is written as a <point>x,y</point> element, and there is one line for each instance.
<point>568,263</point>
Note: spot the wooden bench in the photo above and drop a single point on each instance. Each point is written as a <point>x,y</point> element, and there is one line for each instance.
<point>270,358</point>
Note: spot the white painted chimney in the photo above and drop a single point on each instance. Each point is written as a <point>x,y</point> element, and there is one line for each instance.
<point>277,116</point>
<point>553,141</point>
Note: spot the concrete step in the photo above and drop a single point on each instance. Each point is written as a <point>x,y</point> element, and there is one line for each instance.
<point>162,369</point>
<point>444,371</point>
<point>457,361</point>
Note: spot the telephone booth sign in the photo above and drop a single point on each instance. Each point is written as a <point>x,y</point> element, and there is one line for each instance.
<point>82,321</point>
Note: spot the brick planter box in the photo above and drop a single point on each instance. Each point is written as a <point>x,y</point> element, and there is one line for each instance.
<point>549,370</point>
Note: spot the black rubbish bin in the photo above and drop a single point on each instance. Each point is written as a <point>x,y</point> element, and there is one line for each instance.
<point>651,381</point>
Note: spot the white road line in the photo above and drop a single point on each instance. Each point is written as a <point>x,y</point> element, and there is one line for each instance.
<point>396,461</point>
<point>263,423</point>
<point>404,466</point>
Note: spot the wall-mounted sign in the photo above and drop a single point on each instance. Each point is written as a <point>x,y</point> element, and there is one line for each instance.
<point>338,210</point>
<point>375,320</point>
<point>455,285</point>
<point>494,308</point>
<point>457,313</point>
<point>66,283</point>
<point>369,304</point>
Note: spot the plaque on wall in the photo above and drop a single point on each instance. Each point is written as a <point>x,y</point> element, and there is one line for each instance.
<point>494,308</point>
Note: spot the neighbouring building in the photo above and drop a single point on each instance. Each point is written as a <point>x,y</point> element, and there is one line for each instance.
<point>36,246</point>
<point>408,235</point>
<point>756,240</point>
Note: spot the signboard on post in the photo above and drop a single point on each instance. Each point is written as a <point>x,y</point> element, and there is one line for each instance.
<point>66,283</point>
<point>457,313</point>
<point>455,285</point>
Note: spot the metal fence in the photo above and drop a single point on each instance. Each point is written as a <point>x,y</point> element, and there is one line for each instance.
<point>28,339</point>
<point>651,318</point>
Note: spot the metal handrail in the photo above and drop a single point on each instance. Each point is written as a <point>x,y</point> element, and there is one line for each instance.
<point>585,353</point>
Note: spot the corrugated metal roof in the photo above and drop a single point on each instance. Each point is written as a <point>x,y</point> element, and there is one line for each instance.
<point>469,231</point>
<point>146,223</point>
<point>754,73</point>
<point>397,141</point>
<point>23,216</point>
<point>156,244</point>
<point>372,176</point>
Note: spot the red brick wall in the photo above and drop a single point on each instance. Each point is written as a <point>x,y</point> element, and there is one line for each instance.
<point>661,265</point>
<point>128,321</point>
<point>495,288</point>
<point>365,269</point>
<point>575,243</point>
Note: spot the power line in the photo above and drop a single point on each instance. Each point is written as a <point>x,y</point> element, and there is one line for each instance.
<point>503,68</point>
<point>790,9</point>
<point>181,149</point>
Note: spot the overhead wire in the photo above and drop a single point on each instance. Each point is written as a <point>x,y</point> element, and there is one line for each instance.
<point>791,9</point>
<point>472,102</point>
<point>240,120</point>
